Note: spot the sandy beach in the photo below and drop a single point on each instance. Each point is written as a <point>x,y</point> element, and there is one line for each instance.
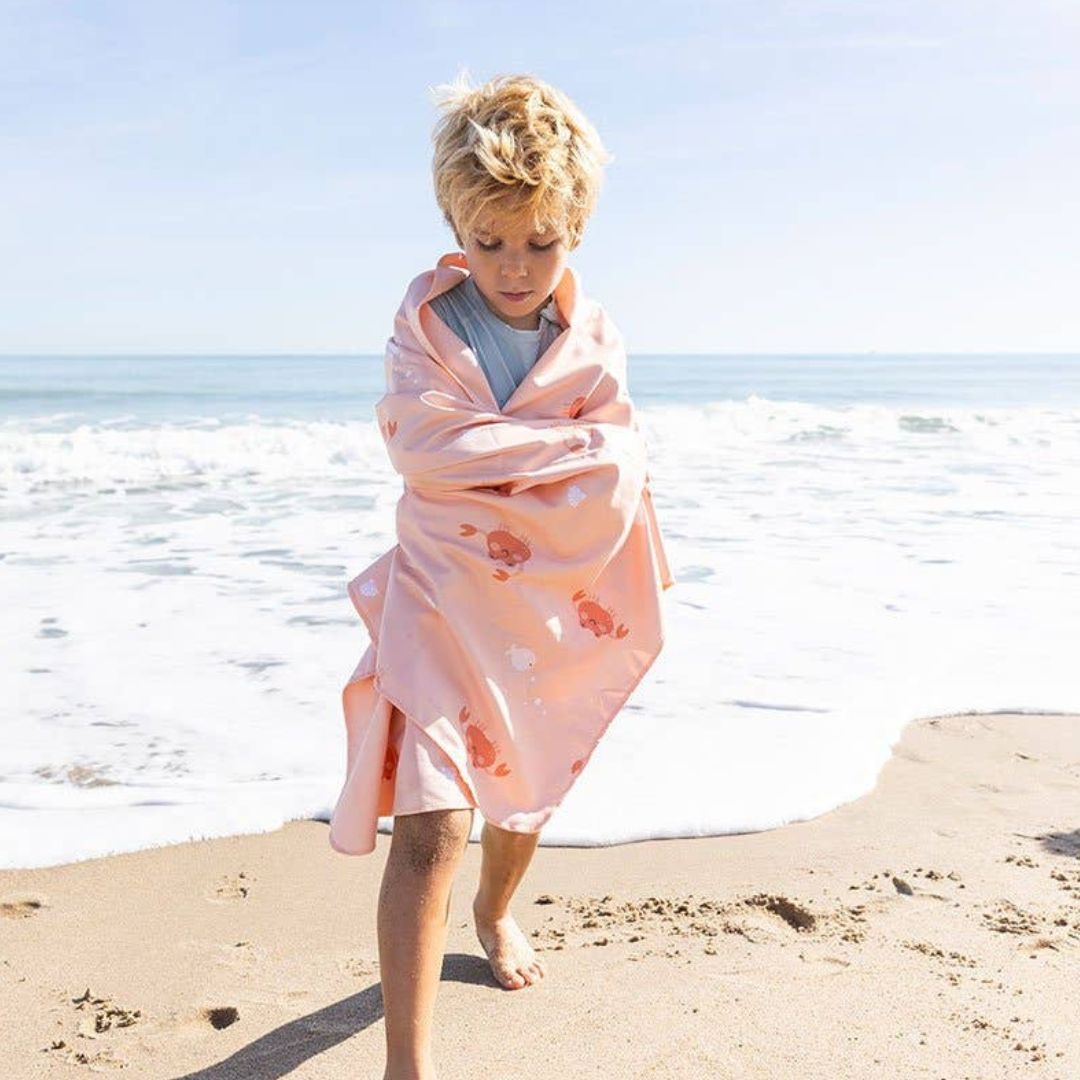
<point>929,929</point>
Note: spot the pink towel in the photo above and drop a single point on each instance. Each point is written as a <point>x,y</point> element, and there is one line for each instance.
<point>521,604</point>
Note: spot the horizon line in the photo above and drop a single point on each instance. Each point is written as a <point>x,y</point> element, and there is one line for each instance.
<point>380,355</point>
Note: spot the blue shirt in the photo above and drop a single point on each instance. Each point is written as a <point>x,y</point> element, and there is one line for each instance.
<point>505,353</point>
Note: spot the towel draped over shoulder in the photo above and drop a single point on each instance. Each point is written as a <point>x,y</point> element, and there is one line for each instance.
<point>521,604</point>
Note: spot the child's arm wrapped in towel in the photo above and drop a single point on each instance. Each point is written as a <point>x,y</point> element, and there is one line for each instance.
<point>439,439</point>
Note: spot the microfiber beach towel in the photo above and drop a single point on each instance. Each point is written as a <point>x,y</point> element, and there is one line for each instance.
<point>521,604</point>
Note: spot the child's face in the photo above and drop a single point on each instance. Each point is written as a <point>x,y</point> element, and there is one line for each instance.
<point>506,259</point>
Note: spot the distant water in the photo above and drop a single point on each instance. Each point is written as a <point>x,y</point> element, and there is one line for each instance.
<point>857,541</point>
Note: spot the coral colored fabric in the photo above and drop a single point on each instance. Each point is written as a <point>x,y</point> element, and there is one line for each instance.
<point>521,604</point>
<point>424,777</point>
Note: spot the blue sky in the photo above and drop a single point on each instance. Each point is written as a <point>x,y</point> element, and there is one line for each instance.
<point>788,176</point>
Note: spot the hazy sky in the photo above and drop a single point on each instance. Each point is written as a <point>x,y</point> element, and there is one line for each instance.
<point>788,176</point>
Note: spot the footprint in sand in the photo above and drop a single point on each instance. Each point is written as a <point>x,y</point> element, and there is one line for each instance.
<point>96,1016</point>
<point>99,1061</point>
<point>1053,930</point>
<point>947,961</point>
<point>233,887</point>
<point>221,1016</point>
<point>901,884</point>
<point>194,1021</point>
<point>102,1014</point>
<point>20,909</point>
<point>591,921</point>
<point>240,955</point>
<point>1005,917</point>
<point>360,967</point>
<point>1033,1051</point>
<point>797,917</point>
<point>1021,860</point>
<point>1069,880</point>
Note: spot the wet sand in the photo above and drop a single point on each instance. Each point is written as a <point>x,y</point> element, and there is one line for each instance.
<point>929,929</point>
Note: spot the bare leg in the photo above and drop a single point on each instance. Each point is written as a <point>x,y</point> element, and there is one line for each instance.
<point>506,857</point>
<point>413,918</point>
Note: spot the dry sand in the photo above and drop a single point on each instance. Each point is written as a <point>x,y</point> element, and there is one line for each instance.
<point>928,929</point>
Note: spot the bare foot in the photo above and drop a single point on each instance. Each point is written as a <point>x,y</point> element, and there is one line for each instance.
<point>512,958</point>
<point>426,1072</point>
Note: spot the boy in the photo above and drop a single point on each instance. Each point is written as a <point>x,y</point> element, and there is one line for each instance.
<point>520,606</point>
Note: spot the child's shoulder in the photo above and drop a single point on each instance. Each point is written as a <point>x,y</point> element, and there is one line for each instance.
<point>435,281</point>
<point>600,326</point>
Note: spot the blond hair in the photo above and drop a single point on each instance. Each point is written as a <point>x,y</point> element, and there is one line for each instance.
<point>518,147</point>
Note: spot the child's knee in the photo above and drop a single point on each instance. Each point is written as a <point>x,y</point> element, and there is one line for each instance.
<point>431,839</point>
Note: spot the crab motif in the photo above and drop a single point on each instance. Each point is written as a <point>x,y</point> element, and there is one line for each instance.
<point>503,546</point>
<point>595,617</point>
<point>482,751</point>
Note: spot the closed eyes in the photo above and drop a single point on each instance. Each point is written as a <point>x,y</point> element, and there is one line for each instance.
<point>495,246</point>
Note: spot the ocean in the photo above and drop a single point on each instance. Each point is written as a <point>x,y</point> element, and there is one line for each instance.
<point>857,541</point>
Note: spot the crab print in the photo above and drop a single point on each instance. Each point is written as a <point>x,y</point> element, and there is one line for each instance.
<point>388,429</point>
<point>502,546</point>
<point>577,766</point>
<point>483,753</point>
<point>595,617</point>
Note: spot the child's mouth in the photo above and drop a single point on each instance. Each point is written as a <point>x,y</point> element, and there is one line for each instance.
<point>516,295</point>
